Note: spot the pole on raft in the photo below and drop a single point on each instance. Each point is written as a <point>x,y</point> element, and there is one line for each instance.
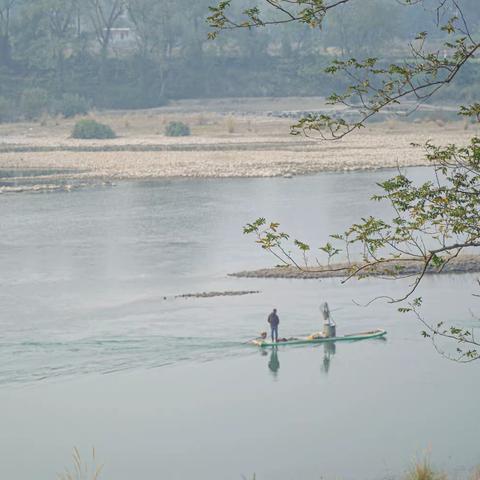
<point>329,326</point>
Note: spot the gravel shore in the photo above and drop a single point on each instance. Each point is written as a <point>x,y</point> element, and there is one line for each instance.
<point>280,159</point>
<point>259,146</point>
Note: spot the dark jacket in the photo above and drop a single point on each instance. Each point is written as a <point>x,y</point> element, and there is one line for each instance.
<point>273,319</point>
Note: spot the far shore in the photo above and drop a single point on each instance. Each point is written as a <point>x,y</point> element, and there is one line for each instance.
<point>234,144</point>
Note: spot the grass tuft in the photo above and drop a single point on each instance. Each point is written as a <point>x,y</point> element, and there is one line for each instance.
<point>475,474</point>
<point>82,470</point>
<point>422,470</point>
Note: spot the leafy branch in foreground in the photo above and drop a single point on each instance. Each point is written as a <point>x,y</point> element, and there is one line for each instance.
<point>432,224</point>
<point>308,12</point>
<point>468,348</point>
<point>374,85</point>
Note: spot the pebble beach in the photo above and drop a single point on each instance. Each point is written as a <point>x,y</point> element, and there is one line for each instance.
<point>221,145</point>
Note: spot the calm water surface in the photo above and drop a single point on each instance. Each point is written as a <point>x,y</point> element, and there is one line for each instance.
<point>96,350</point>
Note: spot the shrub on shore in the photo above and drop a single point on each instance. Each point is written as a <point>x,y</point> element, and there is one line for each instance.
<point>91,129</point>
<point>177,129</point>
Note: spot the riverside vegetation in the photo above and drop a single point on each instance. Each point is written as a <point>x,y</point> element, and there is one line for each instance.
<point>64,57</point>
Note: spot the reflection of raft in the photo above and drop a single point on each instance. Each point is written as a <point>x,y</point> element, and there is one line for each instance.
<point>320,339</point>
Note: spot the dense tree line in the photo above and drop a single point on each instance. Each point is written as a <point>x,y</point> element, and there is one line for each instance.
<point>65,56</point>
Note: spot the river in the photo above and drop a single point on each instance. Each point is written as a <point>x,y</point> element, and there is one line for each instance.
<point>95,350</point>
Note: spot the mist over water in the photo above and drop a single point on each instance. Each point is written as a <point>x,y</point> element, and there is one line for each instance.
<point>89,278</point>
<point>87,286</point>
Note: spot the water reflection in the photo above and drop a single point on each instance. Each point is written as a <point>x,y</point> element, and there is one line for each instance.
<point>329,351</point>
<point>274,363</point>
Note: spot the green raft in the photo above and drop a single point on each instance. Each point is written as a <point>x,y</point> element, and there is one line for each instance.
<point>306,340</point>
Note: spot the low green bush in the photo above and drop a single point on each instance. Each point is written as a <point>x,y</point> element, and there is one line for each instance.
<point>177,129</point>
<point>70,105</point>
<point>88,128</point>
<point>33,103</point>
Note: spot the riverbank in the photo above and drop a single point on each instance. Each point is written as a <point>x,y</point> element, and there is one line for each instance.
<point>235,143</point>
<point>461,264</point>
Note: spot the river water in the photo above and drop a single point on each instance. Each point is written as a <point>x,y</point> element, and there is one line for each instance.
<point>95,350</point>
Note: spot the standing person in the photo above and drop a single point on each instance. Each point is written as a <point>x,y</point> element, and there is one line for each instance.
<point>274,321</point>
